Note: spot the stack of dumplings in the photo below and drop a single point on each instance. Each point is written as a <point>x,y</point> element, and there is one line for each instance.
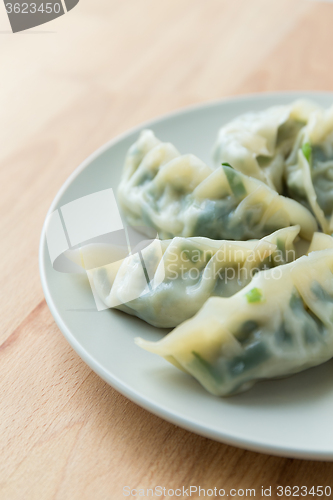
<point>242,268</point>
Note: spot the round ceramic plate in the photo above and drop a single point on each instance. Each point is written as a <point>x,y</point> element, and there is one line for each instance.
<point>290,417</point>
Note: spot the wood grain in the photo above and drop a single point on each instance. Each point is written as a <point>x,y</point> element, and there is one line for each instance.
<point>107,66</point>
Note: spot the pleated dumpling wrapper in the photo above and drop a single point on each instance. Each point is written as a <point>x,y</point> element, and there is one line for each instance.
<point>169,281</point>
<point>309,170</point>
<point>181,196</point>
<point>279,324</point>
<point>258,143</point>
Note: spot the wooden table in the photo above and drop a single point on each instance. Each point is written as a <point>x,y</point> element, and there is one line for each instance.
<point>66,88</point>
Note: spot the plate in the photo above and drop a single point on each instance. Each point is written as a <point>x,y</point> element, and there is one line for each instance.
<point>290,417</point>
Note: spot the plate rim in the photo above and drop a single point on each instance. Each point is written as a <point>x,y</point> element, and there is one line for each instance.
<point>147,403</point>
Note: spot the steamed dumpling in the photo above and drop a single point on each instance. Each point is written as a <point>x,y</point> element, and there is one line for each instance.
<point>258,144</point>
<point>279,324</point>
<point>181,196</point>
<point>309,172</point>
<point>170,280</point>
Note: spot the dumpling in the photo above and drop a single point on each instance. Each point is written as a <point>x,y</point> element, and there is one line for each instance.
<point>309,171</point>
<point>279,324</point>
<point>169,281</point>
<point>181,196</point>
<point>258,144</point>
